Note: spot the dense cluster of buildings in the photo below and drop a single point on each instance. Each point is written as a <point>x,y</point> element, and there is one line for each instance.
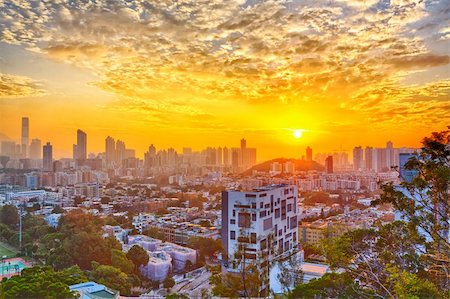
<point>261,217</point>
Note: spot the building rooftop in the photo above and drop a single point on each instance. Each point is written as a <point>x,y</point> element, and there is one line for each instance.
<point>270,187</point>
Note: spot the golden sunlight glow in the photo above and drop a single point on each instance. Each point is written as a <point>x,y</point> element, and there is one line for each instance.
<point>298,134</point>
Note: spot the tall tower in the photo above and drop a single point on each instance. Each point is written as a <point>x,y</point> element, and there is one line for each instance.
<point>35,149</point>
<point>120,151</point>
<point>369,157</point>
<point>309,154</point>
<point>243,144</point>
<point>358,158</point>
<point>243,156</point>
<point>25,134</point>
<point>81,148</point>
<point>48,157</point>
<point>110,149</point>
<point>329,164</point>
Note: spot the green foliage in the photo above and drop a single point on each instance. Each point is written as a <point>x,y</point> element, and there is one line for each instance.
<point>120,261</point>
<point>42,282</point>
<point>206,247</point>
<point>331,285</point>
<point>57,210</point>
<point>408,285</point>
<point>138,256</point>
<point>236,284</point>
<point>86,247</point>
<point>312,198</point>
<point>425,202</point>
<point>9,215</point>
<point>154,232</point>
<point>168,282</point>
<point>177,296</point>
<point>369,254</point>
<point>112,278</point>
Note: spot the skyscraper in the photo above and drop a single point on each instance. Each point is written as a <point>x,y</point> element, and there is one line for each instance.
<point>25,134</point>
<point>329,164</point>
<point>120,151</point>
<point>48,157</point>
<point>358,158</point>
<point>369,158</point>
<point>110,149</point>
<point>309,154</point>
<point>243,144</point>
<point>35,149</point>
<point>81,148</point>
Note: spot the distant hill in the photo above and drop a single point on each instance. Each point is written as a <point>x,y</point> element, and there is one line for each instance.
<point>300,165</point>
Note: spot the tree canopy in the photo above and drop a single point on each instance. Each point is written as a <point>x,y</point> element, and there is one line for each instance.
<point>42,282</point>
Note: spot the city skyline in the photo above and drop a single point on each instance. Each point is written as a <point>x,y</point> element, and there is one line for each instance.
<point>307,152</point>
<point>177,74</point>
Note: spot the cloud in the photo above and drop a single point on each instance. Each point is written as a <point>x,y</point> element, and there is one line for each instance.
<point>12,86</point>
<point>167,56</point>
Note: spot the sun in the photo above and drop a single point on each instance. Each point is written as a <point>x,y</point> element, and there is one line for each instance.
<point>297,134</point>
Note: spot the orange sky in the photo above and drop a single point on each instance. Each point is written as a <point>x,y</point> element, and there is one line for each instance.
<point>207,73</point>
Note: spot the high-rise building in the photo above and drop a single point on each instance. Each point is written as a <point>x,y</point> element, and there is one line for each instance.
<point>110,149</point>
<point>219,156</point>
<point>309,154</point>
<point>25,135</point>
<point>120,151</point>
<point>81,148</point>
<point>358,158</point>
<point>48,157</point>
<point>226,156</point>
<point>260,225</point>
<point>329,164</point>
<point>35,149</point>
<point>243,144</point>
<point>390,155</point>
<point>369,158</point>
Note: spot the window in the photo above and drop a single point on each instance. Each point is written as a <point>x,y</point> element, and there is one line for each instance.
<point>294,222</point>
<point>253,217</point>
<point>232,235</point>
<point>253,238</point>
<point>234,213</point>
<point>277,213</point>
<point>267,224</point>
<point>232,221</point>
<point>289,207</point>
<point>262,214</point>
<point>253,205</point>
<point>261,205</point>
<point>244,220</point>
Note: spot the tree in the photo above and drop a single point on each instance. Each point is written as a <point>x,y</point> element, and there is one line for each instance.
<point>42,282</point>
<point>111,277</point>
<point>105,200</point>
<point>138,256</point>
<point>92,246</point>
<point>9,215</point>
<point>177,296</point>
<point>371,256</point>
<point>120,261</point>
<point>290,273</point>
<point>168,282</point>
<point>206,247</point>
<point>57,210</point>
<point>331,285</point>
<point>423,201</point>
